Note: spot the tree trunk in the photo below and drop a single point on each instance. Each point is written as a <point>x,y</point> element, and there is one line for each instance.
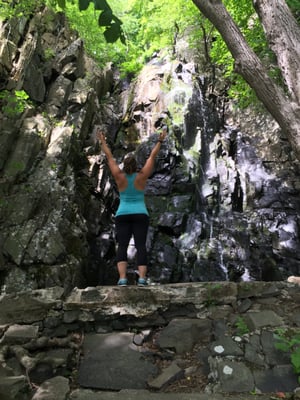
<point>285,109</point>
<point>283,35</point>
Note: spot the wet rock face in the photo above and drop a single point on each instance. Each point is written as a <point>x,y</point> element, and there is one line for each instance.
<point>232,210</point>
<point>223,198</point>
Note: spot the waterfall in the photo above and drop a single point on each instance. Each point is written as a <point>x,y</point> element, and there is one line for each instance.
<point>221,264</point>
<point>209,189</point>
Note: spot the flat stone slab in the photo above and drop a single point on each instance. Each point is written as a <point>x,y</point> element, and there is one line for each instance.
<point>82,394</point>
<point>55,388</point>
<point>20,334</point>
<point>226,347</point>
<point>280,379</point>
<point>10,386</point>
<point>183,334</point>
<point>257,320</point>
<point>112,362</point>
<point>235,377</point>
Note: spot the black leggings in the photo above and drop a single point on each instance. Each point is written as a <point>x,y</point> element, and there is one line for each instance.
<point>126,226</point>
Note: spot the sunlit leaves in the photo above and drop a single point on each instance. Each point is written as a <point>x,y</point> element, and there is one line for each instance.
<point>18,8</point>
<point>156,25</point>
<point>87,25</point>
<point>14,103</point>
<point>249,24</point>
<point>106,18</point>
<point>149,26</point>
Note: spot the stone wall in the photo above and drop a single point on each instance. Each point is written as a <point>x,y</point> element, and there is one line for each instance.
<point>226,329</point>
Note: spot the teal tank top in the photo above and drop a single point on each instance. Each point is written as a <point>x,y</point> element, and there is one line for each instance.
<point>132,200</point>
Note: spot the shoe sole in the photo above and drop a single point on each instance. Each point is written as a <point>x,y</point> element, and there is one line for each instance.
<point>122,282</point>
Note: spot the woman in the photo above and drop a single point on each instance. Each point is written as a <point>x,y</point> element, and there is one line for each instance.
<point>132,217</point>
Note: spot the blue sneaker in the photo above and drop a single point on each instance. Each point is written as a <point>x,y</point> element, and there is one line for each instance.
<point>122,282</point>
<point>142,282</point>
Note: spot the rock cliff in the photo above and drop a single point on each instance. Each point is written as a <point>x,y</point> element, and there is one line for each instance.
<point>223,199</point>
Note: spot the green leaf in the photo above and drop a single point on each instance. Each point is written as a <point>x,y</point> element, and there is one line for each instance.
<point>295,358</point>
<point>112,33</point>
<point>83,4</point>
<point>105,18</point>
<point>21,94</point>
<point>61,3</point>
<point>101,5</point>
<point>122,38</point>
<point>282,346</point>
<point>117,20</point>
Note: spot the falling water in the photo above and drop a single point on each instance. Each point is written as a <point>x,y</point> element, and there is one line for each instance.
<point>221,264</point>
<point>246,276</point>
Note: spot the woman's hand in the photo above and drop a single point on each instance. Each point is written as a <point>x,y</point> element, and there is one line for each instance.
<point>100,136</point>
<point>163,133</point>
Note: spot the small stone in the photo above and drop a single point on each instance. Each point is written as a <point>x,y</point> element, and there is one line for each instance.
<point>20,334</point>
<point>237,339</point>
<point>167,376</point>
<point>227,370</point>
<point>297,393</point>
<point>138,340</point>
<point>190,371</point>
<point>219,349</point>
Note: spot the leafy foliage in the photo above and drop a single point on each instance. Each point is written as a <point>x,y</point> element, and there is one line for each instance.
<point>247,20</point>
<point>112,24</point>
<point>241,326</point>
<point>295,8</point>
<point>128,33</point>
<point>98,40</point>
<point>14,103</point>
<point>245,17</point>
<point>289,342</point>
<point>153,25</point>
<point>145,27</point>
<point>17,8</point>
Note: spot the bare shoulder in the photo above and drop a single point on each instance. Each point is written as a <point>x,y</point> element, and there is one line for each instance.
<point>121,181</point>
<point>140,180</point>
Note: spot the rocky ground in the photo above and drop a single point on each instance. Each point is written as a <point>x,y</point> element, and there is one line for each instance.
<point>213,341</point>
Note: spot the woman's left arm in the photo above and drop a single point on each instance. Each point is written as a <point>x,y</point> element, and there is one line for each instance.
<point>149,165</point>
